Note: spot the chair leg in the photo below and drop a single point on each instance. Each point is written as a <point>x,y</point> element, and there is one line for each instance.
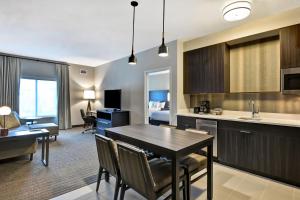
<point>184,190</point>
<point>117,187</point>
<point>31,157</point>
<point>123,190</point>
<point>99,178</point>
<point>55,138</point>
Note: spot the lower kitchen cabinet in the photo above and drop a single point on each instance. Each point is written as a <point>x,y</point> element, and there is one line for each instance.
<point>184,122</point>
<point>268,150</point>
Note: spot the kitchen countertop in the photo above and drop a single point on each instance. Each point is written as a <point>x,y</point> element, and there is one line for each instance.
<point>291,120</point>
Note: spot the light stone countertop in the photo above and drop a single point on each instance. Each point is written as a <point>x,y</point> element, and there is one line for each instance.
<point>291,120</point>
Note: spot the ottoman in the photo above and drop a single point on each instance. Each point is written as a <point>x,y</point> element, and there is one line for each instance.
<point>51,127</point>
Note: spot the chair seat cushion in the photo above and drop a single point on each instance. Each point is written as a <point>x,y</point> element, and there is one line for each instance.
<point>194,162</point>
<point>162,173</point>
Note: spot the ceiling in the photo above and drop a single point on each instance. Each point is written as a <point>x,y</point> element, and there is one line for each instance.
<point>92,32</point>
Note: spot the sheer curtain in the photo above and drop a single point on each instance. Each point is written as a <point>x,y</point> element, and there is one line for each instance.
<point>10,72</point>
<point>63,91</point>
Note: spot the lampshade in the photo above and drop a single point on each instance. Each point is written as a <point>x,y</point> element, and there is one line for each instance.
<point>5,110</point>
<point>237,10</point>
<point>89,94</point>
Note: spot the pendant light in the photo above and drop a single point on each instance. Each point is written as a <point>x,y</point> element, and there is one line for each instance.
<point>132,58</point>
<point>163,49</point>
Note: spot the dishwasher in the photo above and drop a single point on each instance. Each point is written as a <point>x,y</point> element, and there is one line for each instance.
<point>211,127</point>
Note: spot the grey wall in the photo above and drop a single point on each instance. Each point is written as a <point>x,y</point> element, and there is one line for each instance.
<point>159,82</point>
<point>119,75</point>
<point>78,83</point>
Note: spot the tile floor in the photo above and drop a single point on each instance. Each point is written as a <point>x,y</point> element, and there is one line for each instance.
<point>229,184</point>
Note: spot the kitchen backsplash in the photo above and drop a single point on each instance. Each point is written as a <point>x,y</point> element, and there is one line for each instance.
<point>267,102</point>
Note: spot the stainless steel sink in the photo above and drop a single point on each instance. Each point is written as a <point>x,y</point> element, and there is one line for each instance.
<point>250,119</point>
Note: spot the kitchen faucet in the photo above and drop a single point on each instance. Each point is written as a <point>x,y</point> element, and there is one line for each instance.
<point>252,108</point>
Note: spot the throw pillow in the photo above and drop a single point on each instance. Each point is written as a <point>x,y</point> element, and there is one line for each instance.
<point>11,121</point>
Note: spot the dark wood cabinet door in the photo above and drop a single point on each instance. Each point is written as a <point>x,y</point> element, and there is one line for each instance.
<point>205,70</point>
<point>236,147</point>
<point>290,46</point>
<point>184,122</point>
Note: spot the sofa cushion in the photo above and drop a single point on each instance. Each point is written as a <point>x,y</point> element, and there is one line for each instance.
<point>11,121</point>
<point>51,127</point>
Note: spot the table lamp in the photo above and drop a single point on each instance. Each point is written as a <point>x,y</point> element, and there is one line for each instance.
<point>89,95</point>
<point>4,111</point>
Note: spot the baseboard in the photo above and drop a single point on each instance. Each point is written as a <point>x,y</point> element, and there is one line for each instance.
<point>78,125</point>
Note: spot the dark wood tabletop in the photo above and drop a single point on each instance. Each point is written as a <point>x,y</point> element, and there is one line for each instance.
<point>169,139</point>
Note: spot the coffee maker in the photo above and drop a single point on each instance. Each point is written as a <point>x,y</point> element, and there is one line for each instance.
<point>204,107</point>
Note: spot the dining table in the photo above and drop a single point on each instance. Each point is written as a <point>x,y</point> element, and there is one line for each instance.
<point>171,143</point>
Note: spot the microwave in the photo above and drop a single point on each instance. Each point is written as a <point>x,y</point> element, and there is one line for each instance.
<point>290,81</point>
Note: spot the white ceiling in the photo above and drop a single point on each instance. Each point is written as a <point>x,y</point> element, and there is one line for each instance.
<point>92,32</point>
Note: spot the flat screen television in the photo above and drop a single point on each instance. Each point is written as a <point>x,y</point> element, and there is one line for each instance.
<point>112,99</point>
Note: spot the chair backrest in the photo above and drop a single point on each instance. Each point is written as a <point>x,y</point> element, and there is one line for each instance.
<point>135,170</point>
<point>82,113</point>
<point>107,154</point>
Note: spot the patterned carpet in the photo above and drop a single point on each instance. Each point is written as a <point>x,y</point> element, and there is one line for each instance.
<point>73,164</point>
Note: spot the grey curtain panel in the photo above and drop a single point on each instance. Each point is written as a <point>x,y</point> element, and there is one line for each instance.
<point>10,73</point>
<point>63,91</point>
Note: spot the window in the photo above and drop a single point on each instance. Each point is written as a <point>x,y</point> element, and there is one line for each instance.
<point>38,98</point>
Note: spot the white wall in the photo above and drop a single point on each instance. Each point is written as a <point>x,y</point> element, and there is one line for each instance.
<point>78,83</point>
<point>159,81</point>
<point>119,75</point>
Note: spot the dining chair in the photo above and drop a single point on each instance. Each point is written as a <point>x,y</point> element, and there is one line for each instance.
<point>150,179</point>
<point>108,160</point>
<point>193,163</point>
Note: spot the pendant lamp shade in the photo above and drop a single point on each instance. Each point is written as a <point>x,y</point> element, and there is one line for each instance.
<point>163,49</point>
<point>132,59</point>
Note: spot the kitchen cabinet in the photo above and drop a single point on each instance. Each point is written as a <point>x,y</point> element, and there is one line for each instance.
<point>255,66</point>
<point>290,46</point>
<point>206,70</point>
<point>268,150</point>
<point>184,122</point>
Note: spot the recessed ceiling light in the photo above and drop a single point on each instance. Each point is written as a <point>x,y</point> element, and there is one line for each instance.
<point>237,10</point>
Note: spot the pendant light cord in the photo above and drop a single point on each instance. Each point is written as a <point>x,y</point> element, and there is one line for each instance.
<point>133,30</point>
<point>163,34</point>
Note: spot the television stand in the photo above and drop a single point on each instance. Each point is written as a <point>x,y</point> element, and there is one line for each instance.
<point>109,118</point>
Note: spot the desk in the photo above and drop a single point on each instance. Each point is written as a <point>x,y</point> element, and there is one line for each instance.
<point>172,143</point>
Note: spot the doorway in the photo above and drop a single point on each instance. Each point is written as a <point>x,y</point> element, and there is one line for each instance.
<point>158,96</point>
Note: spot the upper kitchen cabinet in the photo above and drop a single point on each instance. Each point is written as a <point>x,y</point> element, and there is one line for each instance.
<point>290,46</point>
<point>206,70</point>
<point>255,66</point>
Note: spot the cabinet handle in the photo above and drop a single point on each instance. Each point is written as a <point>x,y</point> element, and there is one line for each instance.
<point>246,132</point>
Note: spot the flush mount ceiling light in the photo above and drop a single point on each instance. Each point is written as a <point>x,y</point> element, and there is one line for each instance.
<point>132,58</point>
<point>163,49</point>
<point>237,10</point>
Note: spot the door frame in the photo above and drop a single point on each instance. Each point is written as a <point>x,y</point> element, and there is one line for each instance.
<point>146,92</point>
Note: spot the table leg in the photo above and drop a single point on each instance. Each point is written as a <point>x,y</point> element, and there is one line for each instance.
<point>43,148</point>
<point>47,151</point>
<point>175,179</point>
<point>210,171</point>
